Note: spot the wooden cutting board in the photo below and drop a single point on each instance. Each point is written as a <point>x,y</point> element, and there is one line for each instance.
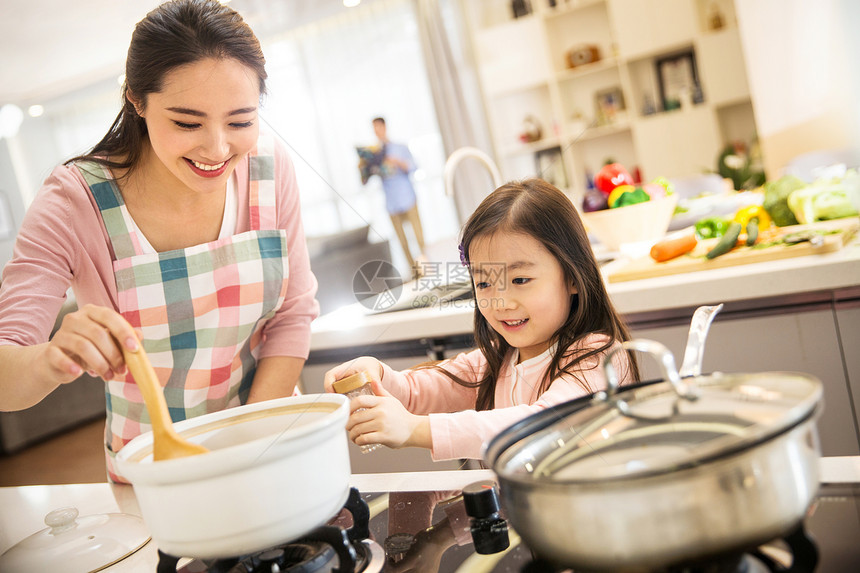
<point>838,233</point>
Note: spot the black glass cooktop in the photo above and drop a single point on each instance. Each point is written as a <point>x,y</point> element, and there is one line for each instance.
<point>430,531</point>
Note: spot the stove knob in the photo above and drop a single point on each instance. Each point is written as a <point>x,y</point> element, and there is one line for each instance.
<point>397,545</point>
<point>489,530</point>
<point>271,560</point>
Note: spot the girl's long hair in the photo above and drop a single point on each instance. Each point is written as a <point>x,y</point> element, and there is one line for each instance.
<point>174,34</point>
<point>540,210</point>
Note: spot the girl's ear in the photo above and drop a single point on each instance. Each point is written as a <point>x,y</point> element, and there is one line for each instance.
<point>571,289</point>
<point>135,101</point>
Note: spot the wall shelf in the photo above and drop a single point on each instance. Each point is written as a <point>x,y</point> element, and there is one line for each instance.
<point>631,37</point>
<point>570,7</point>
<point>592,133</point>
<point>532,147</point>
<point>587,69</point>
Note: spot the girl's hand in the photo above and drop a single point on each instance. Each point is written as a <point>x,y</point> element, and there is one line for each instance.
<point>382,419</point>
<point>88,340</point>
<point>364,363</point>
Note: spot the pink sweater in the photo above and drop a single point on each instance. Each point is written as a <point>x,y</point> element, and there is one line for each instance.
<point>63,243</point>
<point>456,429</point>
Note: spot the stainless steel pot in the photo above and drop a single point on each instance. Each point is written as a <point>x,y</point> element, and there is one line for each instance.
<point>275,471</point>
<point>662,473</point>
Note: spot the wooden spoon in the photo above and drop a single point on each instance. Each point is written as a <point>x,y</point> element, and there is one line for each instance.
<point>166,443</point>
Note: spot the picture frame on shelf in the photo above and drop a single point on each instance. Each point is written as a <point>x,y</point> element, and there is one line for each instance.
<point>677,79</point>
<point>520,8</point>
<point>607,105</point>
<point>549,166</point>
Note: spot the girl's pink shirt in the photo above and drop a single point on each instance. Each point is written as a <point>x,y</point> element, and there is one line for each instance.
<point>456,428</point>
<point>63,243</point>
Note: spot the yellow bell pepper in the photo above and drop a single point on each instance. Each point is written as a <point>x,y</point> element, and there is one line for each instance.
<point>752,219</point>
<point>618,192</point>
<point>743,216</point>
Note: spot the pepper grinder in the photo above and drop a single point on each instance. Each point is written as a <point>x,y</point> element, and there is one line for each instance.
<point>353,386</point>
<point>489,530</point>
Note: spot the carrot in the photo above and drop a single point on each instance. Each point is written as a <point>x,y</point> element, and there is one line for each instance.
<point>670,248</point>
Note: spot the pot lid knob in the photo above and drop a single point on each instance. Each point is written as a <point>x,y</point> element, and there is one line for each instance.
<point>62,519</point>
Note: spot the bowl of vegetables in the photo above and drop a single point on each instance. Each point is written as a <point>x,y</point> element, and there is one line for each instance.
<point>636,216</point>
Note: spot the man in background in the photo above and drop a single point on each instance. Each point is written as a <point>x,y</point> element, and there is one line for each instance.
<point>400,200</point>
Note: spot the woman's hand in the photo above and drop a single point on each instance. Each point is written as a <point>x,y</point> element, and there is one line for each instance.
<point>364,363</point>
<point>382,419</point>
<point>87,340</point>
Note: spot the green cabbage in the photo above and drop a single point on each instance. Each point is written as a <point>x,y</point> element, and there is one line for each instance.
<point>776,199</point>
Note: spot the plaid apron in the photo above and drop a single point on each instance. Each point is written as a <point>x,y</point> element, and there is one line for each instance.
<point>201,310</point>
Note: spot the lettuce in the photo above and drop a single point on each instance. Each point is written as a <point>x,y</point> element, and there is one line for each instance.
<point>823,200</point>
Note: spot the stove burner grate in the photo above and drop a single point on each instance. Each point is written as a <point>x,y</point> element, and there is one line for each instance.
<point>318,551</point>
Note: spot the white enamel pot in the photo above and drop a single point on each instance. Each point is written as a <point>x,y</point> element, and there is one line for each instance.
<point>275,471</point>
<point>662,474</point>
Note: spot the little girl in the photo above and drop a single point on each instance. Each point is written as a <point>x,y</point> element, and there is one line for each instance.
<point>543,322</point>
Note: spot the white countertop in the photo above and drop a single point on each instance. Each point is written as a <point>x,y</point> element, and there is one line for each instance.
<point>353,326</point>
<point>22,509</point>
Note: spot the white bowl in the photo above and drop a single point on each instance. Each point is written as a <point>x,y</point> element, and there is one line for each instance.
<point>632,229</point>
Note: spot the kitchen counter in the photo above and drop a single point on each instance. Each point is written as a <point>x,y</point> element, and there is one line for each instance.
<point>800,314</point>
<point>831,273</point>
<point>22,509</point>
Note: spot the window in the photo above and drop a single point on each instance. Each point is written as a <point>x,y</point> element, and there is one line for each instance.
<point>327,81</point>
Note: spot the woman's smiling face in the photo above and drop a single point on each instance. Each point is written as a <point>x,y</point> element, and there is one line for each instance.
<point>520,290</point>
<point>202,123</point>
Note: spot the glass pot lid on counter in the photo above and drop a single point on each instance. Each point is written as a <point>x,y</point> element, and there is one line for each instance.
<point>653,428</point>
<point>77,544</point>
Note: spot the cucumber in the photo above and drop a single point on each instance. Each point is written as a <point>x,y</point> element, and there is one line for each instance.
<point>727,242</point>
<point>752,231</point>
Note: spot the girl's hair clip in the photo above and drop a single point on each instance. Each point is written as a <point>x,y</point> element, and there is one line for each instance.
<point>463,260</point>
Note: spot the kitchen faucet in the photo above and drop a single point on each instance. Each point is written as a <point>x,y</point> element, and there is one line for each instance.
<point>454,160</point>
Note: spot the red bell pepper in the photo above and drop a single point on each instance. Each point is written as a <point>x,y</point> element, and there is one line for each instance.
<point>611,176</point>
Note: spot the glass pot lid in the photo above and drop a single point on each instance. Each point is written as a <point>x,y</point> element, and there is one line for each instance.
<point>653,428</point>
<point>77,544</point>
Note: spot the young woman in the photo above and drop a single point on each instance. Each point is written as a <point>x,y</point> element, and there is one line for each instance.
<point>543,322</point>
<point>181,225</point>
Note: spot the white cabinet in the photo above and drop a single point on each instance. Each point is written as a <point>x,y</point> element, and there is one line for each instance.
<point>688,137</point>
<point>796,340</point>
<point>594,112</point>
<point>848,320</point>
<point>512,57</point>
<point>723,68</point>
<point>648,28</point>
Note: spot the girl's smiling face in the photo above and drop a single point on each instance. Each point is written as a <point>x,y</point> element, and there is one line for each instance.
<point>202,122</point>
<point>520,290</point>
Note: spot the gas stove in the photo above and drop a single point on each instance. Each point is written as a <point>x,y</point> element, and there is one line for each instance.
<point>343,545</point>
<point>437,531</point>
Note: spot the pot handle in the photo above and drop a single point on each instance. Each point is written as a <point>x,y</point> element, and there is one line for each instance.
<point>667,364</point>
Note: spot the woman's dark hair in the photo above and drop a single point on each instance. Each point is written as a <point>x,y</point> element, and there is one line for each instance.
<point>540,210</point>
<point>174,34</point>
